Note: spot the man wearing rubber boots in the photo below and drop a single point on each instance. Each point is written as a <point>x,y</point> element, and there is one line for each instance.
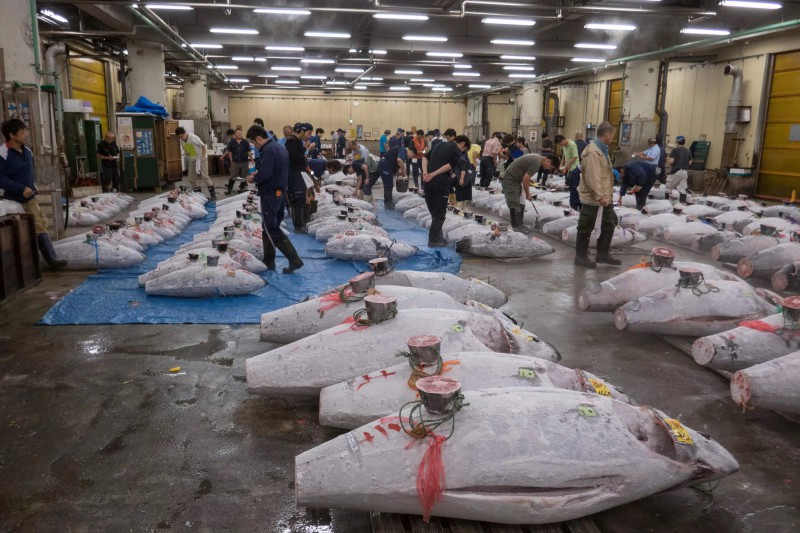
<point>272,179</point>
<point>437,165</point>
<point>596,192</point>
<point>516,181</point>
<point>298,164</point>
<point>197,151</point>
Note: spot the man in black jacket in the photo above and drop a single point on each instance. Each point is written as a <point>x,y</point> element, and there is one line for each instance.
<point>298,164</point>
<point>436,168</point>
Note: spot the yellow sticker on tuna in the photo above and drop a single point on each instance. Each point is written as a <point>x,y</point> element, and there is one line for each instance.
<point>516,331</point>
<point>678,431</point>
<point>599,387</point>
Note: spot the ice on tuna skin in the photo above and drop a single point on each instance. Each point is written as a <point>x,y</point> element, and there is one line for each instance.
<point>83,255</point>
<point>555,228</point>
<point>765,263</point>
<point>621,236</point>
<point>654,225</point>
<point>459,289</point>
<point>683,312</point>
<point>304,367</point>
<point>516,456</point>
<point>326,311</point>
<point>506,244</point>
<point>686,233</point>
<point>359,247</point>
<point>639,282</point>
<point>359,400</point>
<point>204,282</point>
<point>770,385</point>
<point>733,250</point>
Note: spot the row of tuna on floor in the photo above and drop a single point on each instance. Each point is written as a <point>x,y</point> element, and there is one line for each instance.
<point>431,381</point>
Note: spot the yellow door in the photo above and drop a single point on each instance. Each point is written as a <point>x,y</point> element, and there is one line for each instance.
<point>779,173</point>
<point>500,116</point>
<point>88,82</point>
<point>614,114</point>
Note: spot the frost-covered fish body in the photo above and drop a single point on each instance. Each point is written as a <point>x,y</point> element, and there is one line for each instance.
<point>733,250</point>
<point>360,247</point>
<point>516,456</point>
<point>204,282</point>
<point>504,244</point>
<point>83,255</point>
<point>765,263</point>
<point>459,289</point>
<point>685,234</point>
<point>360,400</point>
<point>770,385</point>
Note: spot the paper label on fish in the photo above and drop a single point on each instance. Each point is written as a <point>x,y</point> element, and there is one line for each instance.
<point>585,410</point>
<point>678,431</point>
<point>599,387</point>
<point>528,373</point>
<point>457,328</point>
<point>351,440</point>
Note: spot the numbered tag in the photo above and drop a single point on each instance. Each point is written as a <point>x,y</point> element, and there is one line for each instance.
<point>678,431</point>
<point>516,330</point>
<point>351,440</point>
<point>599,387</point>
<point>232,273</point>
<point>527,373</point>
<point>457,328</point>
<point>585,410</point>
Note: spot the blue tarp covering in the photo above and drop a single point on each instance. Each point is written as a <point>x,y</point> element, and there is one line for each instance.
<point>114,297</point>
<point>143,105</point>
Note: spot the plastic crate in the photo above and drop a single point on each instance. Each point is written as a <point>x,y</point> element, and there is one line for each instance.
<point>19,255</point>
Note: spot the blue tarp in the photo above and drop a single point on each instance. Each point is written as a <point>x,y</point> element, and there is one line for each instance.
<point>143,105</point>
<point>114,297</point>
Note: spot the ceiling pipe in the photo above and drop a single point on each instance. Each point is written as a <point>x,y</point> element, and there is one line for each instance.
<point>586,9</point>
<point>93,33</point>
<point>656,54</point>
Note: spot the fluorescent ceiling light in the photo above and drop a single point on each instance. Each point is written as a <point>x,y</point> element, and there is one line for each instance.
<point>518,58</point>
<point>462,65</point>
<point>371,84</point>
<point>379,52</point>
<point>421,80</point>
<point>751,5</point>
<point>313,77</point>
<point>521,75</point>
<point>610,27</point>
<point>286,67</point>
<point>479,86</point>
<point>399,16</point>
<point>239,80</point>
<point>227,67</point>
<point>249,59</point>
<point>55,16</point>
<point>206,45</point>
<point>169,7</point>
<point>278,11</point>
<point>587,60</point>
<point>336,83</point>
<point>433,84</point>
<point>596,46</point>
<point>445,54</point>
<point>425,38</point>
<point>408,71</point>
<point>317,60</point>
<point>267,75</point>
<point>513,42</point>
<point>518,67</point>
<point>360,87</point>
<point>327,34</point>
<point>471,74</point>
<point>353,51</point>
<point>704,31</point>
<point>285,48</point>
<point>372,79</point>
<point>235,31</point>
<point>508,22</point>
<point>287,82</point>
<point>442,89</point>
<point>348,69</point>
<point>400,88</point>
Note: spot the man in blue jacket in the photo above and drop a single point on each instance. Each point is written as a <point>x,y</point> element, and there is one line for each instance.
<point>272,179</point>
<point>639,177</point>
<point>17,183</point>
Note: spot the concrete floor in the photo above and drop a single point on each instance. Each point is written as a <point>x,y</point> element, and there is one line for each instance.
<point>97,435</point>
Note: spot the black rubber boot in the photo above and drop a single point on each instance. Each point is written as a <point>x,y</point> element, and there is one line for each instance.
<point>48,252</point>
<point>517,214</point>
<point>582,252</point>
<point>435,236</point>
<point>212,195</point>
<point>269,251</point>
<point>306,214</point>
<point>287,249</point>
<point>229,188</point>
<point>682,199</point>
<point>387,199</point>
<point>603,247</point>
<point>297,220</point>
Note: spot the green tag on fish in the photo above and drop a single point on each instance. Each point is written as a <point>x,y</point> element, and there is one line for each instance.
<point>586,411</point>
<point>457,328</point>
<point>528,373</point>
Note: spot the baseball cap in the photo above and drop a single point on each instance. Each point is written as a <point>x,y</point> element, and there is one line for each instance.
<point>387,131</point>
<point>400,130</point>
<point>680,138</point>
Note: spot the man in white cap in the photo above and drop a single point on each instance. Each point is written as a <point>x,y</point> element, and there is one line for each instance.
<point>680,159</point>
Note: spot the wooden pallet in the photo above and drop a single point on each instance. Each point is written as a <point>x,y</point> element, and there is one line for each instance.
<point>400,523</point>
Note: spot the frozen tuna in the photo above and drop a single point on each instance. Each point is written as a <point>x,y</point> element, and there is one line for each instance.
<point>638,282</point>
<point>655,225</point>
<point>90,254</point>
<point>706,243</point>
<point>709,307</point>
<point>733,250</point>
<point>360,400</point>
<point>459,289</point>
<point>786,278</point>
<point>516,455</point>
<point>555,228</point>
<point>751,343</point>
<point>621,236</point>
<point>685,234</point>
<point>351,246</point>
<point>765,263</point>
<point>770,385</point>
<point>204,282</point>
<point>504,244</point>
<point>347,350</point>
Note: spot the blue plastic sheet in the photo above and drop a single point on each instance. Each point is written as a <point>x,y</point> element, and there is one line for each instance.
<point>114,296</point>
<point>143,105</point>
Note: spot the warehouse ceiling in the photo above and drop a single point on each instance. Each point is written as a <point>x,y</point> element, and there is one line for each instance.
<point>443,46</point>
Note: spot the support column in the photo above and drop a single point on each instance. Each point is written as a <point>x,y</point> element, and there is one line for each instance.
<point>530,114</point>
<point>639,99</point>
<point>195,98</point>
<point>474,126</point>
<point>16,40</point>
<point>146,77</point>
